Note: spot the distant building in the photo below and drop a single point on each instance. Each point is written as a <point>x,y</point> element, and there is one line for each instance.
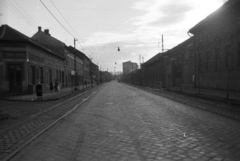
<point>62,74</point>
<point>94,73</point>
<point>77,64</point>
<point>129,67</point>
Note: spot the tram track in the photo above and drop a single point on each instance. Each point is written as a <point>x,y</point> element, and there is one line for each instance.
<point>16,137</point>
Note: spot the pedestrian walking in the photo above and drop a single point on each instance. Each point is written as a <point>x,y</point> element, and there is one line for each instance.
<point>56,85</point>
<point>39,91</point>
<point>51,86</point>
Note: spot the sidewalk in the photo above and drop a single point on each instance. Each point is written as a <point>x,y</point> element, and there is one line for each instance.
<point>234,97</point>
<point>47,96</point>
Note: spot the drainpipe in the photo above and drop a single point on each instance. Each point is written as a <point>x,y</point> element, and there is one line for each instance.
<point>196,69</point>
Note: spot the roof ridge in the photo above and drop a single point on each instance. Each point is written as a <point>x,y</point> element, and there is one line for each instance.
<point>49,36</point>
<point>21,35</point>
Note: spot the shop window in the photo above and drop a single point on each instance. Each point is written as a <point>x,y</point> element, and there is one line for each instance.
<point>33,76</point>
<point>20,55</point>
<point>8,55</point>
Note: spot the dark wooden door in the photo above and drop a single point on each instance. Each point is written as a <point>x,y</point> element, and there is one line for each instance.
<point>15,78</point>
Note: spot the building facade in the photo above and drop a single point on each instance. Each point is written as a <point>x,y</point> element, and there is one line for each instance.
<point>217,48</point>
<point>129,67</point>
<point>24,62</point>
<point>65,75</point>
<point>152,73</point>
<point>42,58</point>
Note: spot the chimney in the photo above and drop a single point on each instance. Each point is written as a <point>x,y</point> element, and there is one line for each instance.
<point>46,31</point>
<point>39,28</point>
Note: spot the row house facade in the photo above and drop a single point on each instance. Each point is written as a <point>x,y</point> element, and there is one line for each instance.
<point>94,72</point>
<point>64,76</point>
<point>86,70</point>
<point>42,58</point>
<point>25,62</point>
<point>78,57</point>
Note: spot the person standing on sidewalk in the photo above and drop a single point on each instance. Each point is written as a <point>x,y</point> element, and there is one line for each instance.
<point>39,91</point>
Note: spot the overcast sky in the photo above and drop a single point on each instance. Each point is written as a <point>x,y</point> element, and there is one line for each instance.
<point>101,26</point>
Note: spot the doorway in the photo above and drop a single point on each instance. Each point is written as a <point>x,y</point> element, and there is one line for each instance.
<point>15,78</point>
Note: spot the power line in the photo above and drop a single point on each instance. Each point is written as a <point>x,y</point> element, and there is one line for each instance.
<point>17,13</point>
<point>63,17</point>
<point>3,2</point>
<point>67,22</point>
<point>56,18</point>
<point>70,26</point>
<point>61,23</point>
<point>26,13</point>
<point>21,13</point>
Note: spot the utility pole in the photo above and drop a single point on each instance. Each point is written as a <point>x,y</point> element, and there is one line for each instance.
<point>162,44</point>
<point>139,61</point>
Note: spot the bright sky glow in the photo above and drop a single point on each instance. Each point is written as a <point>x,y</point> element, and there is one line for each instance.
<point>135,26</point>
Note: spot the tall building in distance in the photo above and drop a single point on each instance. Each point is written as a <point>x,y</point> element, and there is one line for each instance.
<point>129,67</point>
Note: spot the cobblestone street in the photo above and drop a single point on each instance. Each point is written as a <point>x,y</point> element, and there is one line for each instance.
<point>123,123</point>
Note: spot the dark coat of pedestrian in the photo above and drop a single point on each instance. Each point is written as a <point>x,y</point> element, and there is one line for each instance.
<point>39,90</point>
<point>56,86</point>
<point>51,86</point>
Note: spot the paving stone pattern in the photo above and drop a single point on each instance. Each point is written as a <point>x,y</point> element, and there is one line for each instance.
<point>16,136</point>
<point>232,111</point>
<point>122,123</point>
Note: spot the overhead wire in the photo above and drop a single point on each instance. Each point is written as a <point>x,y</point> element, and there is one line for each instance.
<point>70,26</point>
<point>26,13</point>
<point>21,13</point>
<point>57,19</point>
<point>61,23</point>
<point>17,13</point>
<point>10,8</point>
<point>65,19</point>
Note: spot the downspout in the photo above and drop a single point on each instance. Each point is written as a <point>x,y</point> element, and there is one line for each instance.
<point>195,63</point>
